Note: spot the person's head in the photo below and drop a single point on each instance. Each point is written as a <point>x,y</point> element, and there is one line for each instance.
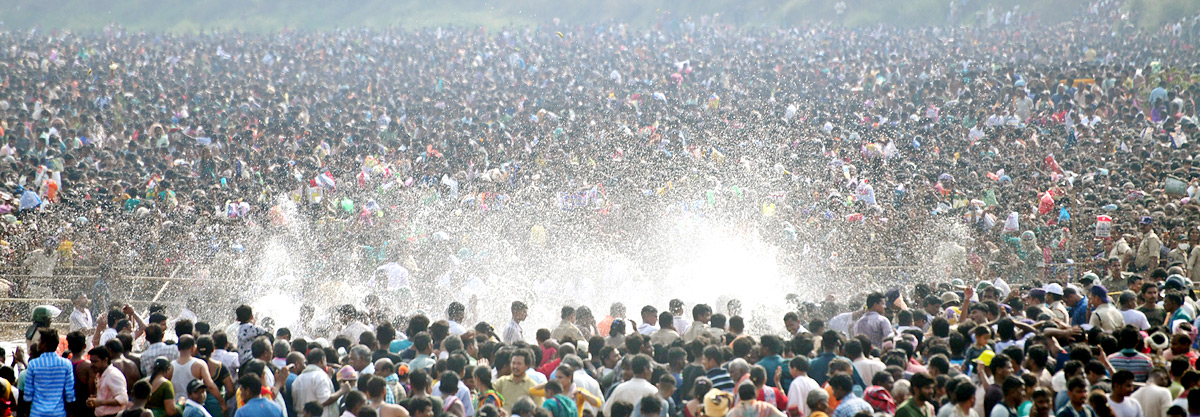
<point>666,321</point>
<point>746,391</point>
<point>1077,389</point>
<point>922,386</point>
<point>520,361</point>
<point>196,391</point>
<point>701,386</point>
<point>568,314</point>
<point>616,310</point>
<point>712,357</point>
<point>448,383</point>
<point>353,401</point>
<point>702,313</point>
<point>421,406</point>
<point>312,409</point>
<point>525,407</point>
<point>649,315</point>
<point>101,358</point>
<point>818,400</point>
<point>883,379</point>
<point>876,302</point>
<point>1014,390</point>
<point>1180,344</point>
<point>983,335</point>
<point>456,311</point>
<point>423,343</point>
<point>964,395</point>
<point>154,333</point>
<point>666,385</point>
<point>1042,401</point>
<point>650,406</point>
<point>1001,367</point>
<point>80,301</point>
<point>184,326</point>
<point>1122,383</point>
<point>842,385</point>
<point>186,346</point>
<point>161,367</point>
<point>244,313</point>
<point>642,366</point>
<point>798,366</point>
<point>251,387</point>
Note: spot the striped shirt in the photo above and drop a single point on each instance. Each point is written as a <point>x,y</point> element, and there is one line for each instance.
<point>49,385</point>
<point>157,350</point>
<point>1137,363</point>
<point>720,379</point>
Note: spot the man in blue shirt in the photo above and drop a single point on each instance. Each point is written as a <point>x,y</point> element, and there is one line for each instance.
<point>1079,308</point>
<point>819,366</point>
<point>50,379</point>
<point>256,406</point>
<point>849,405</point>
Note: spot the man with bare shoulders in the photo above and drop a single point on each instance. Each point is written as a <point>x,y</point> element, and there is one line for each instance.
<point>127,367</point>
<point>188,367</point>
<point>377,392</point>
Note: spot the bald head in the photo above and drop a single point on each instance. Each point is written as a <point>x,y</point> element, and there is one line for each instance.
<point>384,367</point>
<point>297,360</point>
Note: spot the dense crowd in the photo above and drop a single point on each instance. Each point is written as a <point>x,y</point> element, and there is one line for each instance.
<point>446,150</point>
<point>1043,170</point>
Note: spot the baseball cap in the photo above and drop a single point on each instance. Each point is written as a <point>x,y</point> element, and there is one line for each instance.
<point>195,385</point>
<point>1054,288</point>
<point>1146,220</point>
<point>1088,278</point>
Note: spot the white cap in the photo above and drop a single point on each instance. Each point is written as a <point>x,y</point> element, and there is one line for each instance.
<point>1054,288</point>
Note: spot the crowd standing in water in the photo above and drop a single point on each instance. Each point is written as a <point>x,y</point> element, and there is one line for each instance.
<point>1064,149</point>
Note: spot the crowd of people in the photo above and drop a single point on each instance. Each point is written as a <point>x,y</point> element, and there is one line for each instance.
<point>453,151</point>
<point>1041,172</point>
<point>1065,349</point>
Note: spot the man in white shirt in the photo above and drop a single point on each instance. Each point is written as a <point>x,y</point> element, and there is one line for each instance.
<point>1119,401</point>
<point>681,323</point>
<point>513,332</point>
<point>649,323</point>
<point>314,385</point>
<point>1130,312</point>
<point>633,390</point>
<point>456,313</point>
<point>1154,397</point>
<point>81,317</point>
<point>801,385</point>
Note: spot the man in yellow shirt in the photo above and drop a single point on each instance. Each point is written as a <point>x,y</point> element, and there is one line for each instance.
<point>516,384</point>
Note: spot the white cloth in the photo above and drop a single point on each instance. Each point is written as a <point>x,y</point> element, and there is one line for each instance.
<point>457,329</point>
<point>589,384</point>
<point>227,358</point>
<point>1127,408</point>
<point>313,385</point>
<point>107,335</point>
<point>1135,318</point>
<point>682,324</point>
<point>632,391</point>
<point>867,368</point>
<point>798,394</point>
<point>1155,400</point>
<point>81,320</point>
<point>513,332</point>
<point>647,329</point>
<point>354,329</point>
